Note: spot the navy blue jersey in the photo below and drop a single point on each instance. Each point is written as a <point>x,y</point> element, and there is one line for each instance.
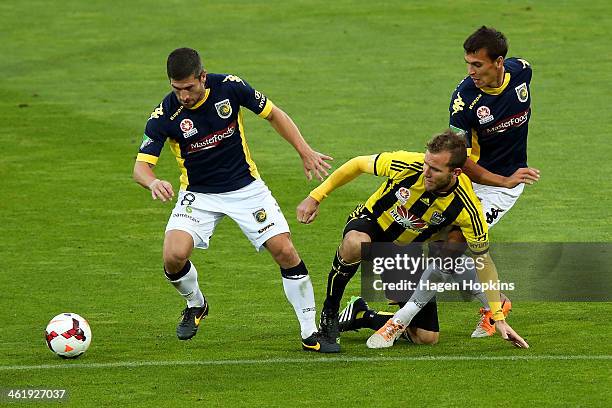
<point>208,140</point>
<point>495,120</point>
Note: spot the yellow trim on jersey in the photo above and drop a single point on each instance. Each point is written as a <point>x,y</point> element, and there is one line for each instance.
<point>497,91</point>
<point>176,149</point>
<point>147,158</point>
<point>245,148</point>
<point>267,109</point>
<point>474,152</point>
<point>201,101</point>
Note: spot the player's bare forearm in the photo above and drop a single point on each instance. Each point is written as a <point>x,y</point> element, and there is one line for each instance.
<point>480,175</point>
<point>314,162</point>
<point>160,189</point>
<point>143,173</point>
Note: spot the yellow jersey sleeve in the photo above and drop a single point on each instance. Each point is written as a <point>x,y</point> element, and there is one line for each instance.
<point>345,173</point>
<point>398,164</point>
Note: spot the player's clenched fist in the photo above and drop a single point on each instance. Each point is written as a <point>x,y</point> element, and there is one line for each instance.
<point>307,210</point>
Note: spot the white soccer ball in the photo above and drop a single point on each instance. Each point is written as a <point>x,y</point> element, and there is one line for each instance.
<point>68,335</point>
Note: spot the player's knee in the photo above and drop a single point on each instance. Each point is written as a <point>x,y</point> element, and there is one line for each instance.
<point>425,337</point>
<point>176,253</point>
<point>282,250</point>
<point>350,250</point>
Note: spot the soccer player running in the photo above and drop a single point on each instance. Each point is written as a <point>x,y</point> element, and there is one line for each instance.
<point>423,195</point>
<point>492,108</point>
<point>202,121</point>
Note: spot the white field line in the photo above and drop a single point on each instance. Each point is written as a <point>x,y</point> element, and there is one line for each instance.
<point>315,360</point>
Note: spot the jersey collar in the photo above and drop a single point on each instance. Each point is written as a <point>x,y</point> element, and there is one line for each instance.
<point>497,91</point>
<point>450,190</point>
<point>201,102</point>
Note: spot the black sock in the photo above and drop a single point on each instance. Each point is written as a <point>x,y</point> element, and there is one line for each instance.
<point>376,320</point>
<point>339,276</point>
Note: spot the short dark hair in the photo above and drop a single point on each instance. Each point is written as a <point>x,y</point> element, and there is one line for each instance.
<point>489,39</point>
<point>449,141</point>
<point>182,63</point>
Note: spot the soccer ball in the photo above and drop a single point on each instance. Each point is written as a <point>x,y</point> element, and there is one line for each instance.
<point>68,335</point>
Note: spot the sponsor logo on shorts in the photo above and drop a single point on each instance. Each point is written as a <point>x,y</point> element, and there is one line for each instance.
<point>224,108</point>
<point>407,220</point>
<point>513,121</point>
<point>403,194</point>
<point>492,214</point>
<point>260,215</point>
<point>187,216</point>
<point>484,114</point>
<point>212,140</point>
<point>522,92</point>
<point>188,199</point>
<point>187,128</point>
<point>188,209</point>
<point>264,229</point>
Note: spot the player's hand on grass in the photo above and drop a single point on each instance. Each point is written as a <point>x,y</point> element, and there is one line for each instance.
<point>527,175</point>
<point>315,163</point>
<point>161,189</point>
<point>307,210</point>
<point>509,334</point>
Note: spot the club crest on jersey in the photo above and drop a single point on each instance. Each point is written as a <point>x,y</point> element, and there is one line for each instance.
<point>436,218</point>
<point>484,114</point>
<point>407,220</point>
<point>224,108</point>
<point>403,194</point>
<point>260,215</point>
<point>522,92</point>
<point>187,128</point>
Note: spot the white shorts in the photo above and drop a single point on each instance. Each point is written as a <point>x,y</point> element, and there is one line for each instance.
<point>252,207</point>
<point>496,201</point>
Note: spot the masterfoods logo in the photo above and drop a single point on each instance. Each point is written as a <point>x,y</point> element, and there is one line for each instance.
<point>213,139</point>
<point>513,121</point>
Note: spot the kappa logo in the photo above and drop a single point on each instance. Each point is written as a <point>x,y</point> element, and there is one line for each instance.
<point>233,78</point>
<point>260,215</point>
<point>159,111</point>
<point>458,104</point>
<point>475,101</point>
<point>264,229</point>
<point>403,194</point>
<point>224,108</point>
<point>484,114</point>
<point>187,128</point>
<point>522,92</point>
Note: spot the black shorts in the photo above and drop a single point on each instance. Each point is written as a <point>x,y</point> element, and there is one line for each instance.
<point>427,318</point>
<point>363,221</point>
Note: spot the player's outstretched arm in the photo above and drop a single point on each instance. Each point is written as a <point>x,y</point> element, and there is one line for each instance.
<point>314,162</point>
<point>480,175</point>
<point>509,334</point>
<point>309,207</point>
<point>144,175</point>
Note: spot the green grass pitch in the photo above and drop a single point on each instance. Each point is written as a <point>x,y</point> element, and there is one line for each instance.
<point>77,83</point>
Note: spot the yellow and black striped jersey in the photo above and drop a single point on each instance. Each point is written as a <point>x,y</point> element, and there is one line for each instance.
<point>408,213</point>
